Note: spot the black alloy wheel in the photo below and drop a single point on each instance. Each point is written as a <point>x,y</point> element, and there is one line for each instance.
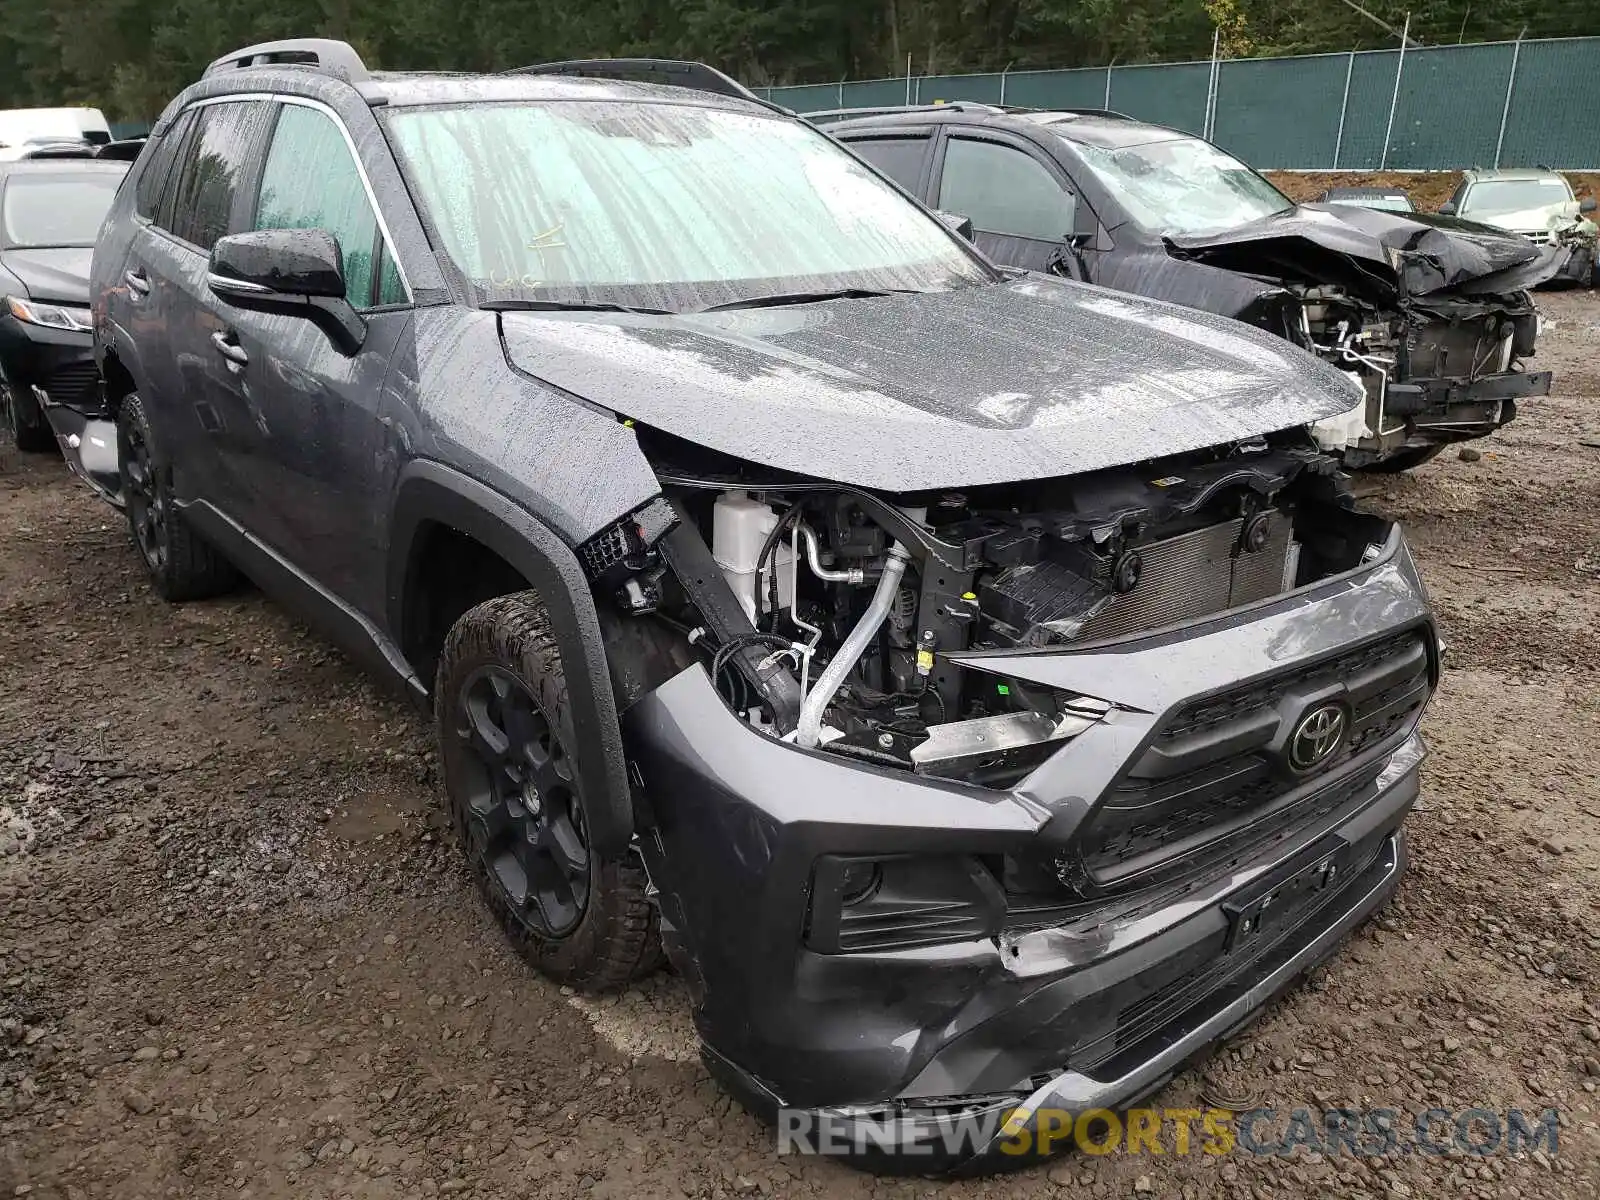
<point>520,800</point>
<point>181,564</point>
<point>145,498</point>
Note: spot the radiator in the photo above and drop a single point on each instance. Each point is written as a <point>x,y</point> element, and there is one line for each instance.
<point>1194,575</point>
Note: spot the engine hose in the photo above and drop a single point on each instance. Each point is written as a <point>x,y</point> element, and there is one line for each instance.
<point>809,730</point>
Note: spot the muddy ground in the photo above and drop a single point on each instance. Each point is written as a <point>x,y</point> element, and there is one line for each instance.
<point>240,957</point>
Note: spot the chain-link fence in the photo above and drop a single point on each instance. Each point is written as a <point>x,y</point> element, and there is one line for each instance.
<point>1508,104</point>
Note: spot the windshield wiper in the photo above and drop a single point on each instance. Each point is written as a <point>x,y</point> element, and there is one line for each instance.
<point>569,306</point>
<point>783,298</point>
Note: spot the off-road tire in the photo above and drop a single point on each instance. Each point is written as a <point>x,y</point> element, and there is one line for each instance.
<point>30,432</point>
<point>1405,459</point>
<point>616,938</point>
<point>181,564</point>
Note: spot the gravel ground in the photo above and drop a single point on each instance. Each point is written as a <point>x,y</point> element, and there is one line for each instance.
<point>239,955</point>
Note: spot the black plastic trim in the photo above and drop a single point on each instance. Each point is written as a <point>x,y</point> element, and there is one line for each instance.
<point>431,492</point>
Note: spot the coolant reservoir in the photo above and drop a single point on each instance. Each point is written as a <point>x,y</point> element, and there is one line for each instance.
<point>739,525</point>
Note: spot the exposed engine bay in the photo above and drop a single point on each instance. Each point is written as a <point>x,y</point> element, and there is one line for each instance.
<point>828,616</point>
<point>1432,319</point>
<point>1457,339</point>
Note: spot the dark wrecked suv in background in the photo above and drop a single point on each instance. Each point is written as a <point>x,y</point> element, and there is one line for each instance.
<point>976,684</point>
<point>1429,314</point>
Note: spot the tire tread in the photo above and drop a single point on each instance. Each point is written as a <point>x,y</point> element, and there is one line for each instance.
<point>618,939</point>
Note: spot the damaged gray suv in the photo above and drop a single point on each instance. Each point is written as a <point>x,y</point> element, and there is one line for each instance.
<point>975,683</point>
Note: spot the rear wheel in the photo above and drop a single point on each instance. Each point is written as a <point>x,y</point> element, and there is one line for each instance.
<point>182,565</point>
<point>1404,459</point>
<point>520,804</point>
<point>29,430</point>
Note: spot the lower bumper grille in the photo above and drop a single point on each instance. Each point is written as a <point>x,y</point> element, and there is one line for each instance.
<point>73,383</point>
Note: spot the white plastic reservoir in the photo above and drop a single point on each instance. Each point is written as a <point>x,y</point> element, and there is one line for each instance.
<point>739,526</point>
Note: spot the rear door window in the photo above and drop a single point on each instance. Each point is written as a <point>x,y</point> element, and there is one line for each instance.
<point>214,161</point>
<point>900,158</point>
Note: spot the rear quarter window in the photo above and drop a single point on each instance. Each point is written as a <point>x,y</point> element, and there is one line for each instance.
<point>156,168</point>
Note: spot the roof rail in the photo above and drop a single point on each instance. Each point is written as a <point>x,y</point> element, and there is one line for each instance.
<point>324,54</point>
<point>886,110</point>
<point>695,75</point>
<point>121,150</point>
<point>1108,113</point>
<point>65,148</point>
<point>845,114</point>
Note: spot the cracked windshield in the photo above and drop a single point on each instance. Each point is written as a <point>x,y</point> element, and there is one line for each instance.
<point>1183,186</point>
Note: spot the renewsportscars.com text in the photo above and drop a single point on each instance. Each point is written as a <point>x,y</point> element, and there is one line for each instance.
<point>1362,1133</point>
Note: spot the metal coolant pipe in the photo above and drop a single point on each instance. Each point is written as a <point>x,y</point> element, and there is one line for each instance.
<point>809,730</point>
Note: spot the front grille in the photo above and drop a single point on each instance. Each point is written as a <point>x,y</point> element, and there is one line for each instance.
<point>1212,775</point>
<point>72,383</point>
<point>1195,575</point>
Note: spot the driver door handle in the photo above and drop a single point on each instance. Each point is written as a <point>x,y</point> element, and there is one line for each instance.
<point>138,283</point>
<point>230,350</point>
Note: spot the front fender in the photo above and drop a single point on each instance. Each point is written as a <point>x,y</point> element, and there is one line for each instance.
<point>431,492</point>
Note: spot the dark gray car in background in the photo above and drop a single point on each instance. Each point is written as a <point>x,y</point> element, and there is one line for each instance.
<point>50,212</point>
<point>1430,314</point>
<point>976,684</point>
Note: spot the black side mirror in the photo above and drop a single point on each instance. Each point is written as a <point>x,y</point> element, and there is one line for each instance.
<point>956,222</point>
<point>1447,209</point>
<point>277,262</point>
<point>1588,205</point>
<point>293,271</point>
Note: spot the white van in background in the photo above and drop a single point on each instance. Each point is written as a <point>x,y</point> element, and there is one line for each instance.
<point>23,128</point>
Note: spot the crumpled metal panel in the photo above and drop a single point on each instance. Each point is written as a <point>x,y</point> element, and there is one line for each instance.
<point>1419,252</point>
<point>1023,380</point>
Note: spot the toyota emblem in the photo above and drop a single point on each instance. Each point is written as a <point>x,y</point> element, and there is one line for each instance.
<point>1318,735</point>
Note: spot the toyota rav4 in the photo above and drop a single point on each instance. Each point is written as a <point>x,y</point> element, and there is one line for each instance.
<point>976,683</point>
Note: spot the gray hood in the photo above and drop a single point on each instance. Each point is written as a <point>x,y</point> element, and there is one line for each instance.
<point>992,384</point>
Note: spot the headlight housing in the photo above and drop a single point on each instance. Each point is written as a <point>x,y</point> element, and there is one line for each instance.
<point>50,316</point>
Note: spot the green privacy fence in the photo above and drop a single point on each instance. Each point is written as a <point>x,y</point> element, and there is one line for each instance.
<point>1509,104</point>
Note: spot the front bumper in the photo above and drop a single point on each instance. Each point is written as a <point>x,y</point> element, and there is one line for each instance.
<point>57,361</point>
<point>1091,1008</point>
<point>1442,401</point>
<point>978,1133</point>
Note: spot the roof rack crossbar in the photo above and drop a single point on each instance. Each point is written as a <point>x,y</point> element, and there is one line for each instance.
<point>695,75</point>
<point>324,54</point>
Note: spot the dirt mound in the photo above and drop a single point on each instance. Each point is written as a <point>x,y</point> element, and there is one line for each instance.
<point>1428,189</point>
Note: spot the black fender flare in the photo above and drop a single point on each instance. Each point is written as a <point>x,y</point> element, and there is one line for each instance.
<point>431,492</point>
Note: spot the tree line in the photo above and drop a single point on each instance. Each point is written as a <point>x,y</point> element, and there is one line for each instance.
<point>129,57</point>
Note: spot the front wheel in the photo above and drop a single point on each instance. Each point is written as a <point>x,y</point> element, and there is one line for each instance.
<point>30,432</point>
<point>181,564</point>
<point>520,803</point>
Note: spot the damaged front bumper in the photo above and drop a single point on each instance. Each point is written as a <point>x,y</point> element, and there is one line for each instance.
<point>88,440</point>
<point>860,949</point>
<point>1419,413</point>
